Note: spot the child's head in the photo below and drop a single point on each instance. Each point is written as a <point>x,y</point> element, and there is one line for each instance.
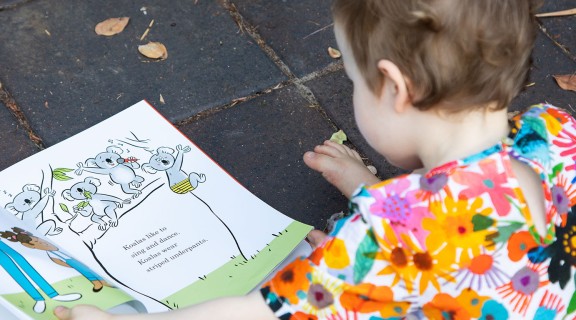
<point>454,53</point>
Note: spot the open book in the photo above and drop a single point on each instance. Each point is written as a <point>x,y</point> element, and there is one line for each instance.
<point>131,212</point>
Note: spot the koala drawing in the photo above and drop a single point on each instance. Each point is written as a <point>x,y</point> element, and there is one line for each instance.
<point>94,204</point>
<point>120,170</point>
<point>164,160</point>
<point>30,204</point>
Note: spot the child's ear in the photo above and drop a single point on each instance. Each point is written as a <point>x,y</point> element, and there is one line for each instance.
<point>395,78</point>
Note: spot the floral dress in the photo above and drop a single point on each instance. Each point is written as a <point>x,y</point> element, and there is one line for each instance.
<point>455,243</point>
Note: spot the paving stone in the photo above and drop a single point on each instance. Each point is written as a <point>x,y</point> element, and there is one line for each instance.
<point>334,93</point>
<point>561,29</point>
<point>288,27</point>
<point>7,4</point>
<point>14,141</point>
<point>66,78</point>
<point>261,143</point>
<point>547,60</point>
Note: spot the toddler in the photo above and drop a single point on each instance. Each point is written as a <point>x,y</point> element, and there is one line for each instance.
<point>483,227</point>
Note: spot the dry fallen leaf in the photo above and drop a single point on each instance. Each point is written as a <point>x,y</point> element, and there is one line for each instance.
<point>334,53</point>
<point>566,81</point>
<point>112,26</point>
<point>154,50</point>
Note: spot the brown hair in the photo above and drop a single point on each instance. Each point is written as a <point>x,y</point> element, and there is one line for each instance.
<point>458,52</point>
<point>18,235</point>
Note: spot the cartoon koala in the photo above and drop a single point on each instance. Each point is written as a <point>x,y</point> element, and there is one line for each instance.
<point>29,205</point>
<point>95,204</point>
<point>164,160</point>
<point>120,170</point>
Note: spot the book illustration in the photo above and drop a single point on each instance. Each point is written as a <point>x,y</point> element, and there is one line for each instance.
<point>179,181</point>
<point>99,207</point>
<point>120,170</point>
<point>151,212</point>
<point>21,271</point>
<point>30,205</point>
<point>28,240</point>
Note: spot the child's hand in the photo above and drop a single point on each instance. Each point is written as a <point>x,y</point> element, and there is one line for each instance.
<point>315,238</point>
<point>81,312</point>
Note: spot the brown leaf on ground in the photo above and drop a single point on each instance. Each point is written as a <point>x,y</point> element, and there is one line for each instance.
<point>112,26</point>
<point>153,50</point>
<point>566,81</point>
<point>334,53</point>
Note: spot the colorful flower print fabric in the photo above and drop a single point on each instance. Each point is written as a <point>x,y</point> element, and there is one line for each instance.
<point>455,243</point>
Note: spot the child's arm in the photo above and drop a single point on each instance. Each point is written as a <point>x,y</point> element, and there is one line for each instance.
<point>249,307</point>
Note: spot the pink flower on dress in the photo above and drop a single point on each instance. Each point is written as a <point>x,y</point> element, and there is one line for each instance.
<point>395,202</point>
<point>488,181</point>
<point>567,141</point>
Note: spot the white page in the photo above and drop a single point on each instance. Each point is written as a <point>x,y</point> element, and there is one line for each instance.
<point>163,241</point>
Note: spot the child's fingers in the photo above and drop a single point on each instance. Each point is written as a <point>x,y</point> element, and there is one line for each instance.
<point>62,313</point>
<point>342,148</point>
<point>338,146</point>
<point>330,149</point>
<point>316,238</point>
<point>80,312</point>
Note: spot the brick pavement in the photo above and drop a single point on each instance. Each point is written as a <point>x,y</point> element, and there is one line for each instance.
<point>249,81</point>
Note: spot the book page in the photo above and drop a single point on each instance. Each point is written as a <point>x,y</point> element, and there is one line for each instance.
<point>37,276</point>
<point>134,198</point>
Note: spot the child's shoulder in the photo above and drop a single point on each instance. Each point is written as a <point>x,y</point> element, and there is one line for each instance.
<point>543,135</point>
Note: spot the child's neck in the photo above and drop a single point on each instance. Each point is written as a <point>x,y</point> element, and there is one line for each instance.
<point>451,137</point>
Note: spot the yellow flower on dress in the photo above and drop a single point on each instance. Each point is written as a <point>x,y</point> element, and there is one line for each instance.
<point>336,254</point>
<point>453,227</point>
<point>398,259</point>
<point>433,267</point>
<point>552,123</point>
<point>407,263</point>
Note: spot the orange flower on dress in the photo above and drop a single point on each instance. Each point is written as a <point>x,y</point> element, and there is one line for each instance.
<point>559,115</point>
<point>292,279</point>
<point>368,298</point>
<point>303,316</point>
<point>472,302</point>
<point>519,245</point>
<point>445,307</point>
<point>316,256</point>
